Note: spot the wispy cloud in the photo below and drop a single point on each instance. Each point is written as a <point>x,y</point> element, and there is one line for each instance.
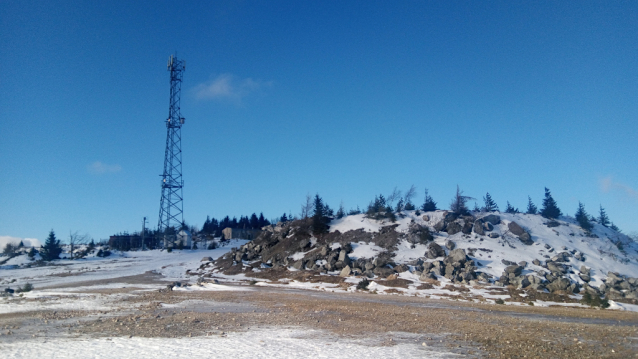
<point>608,184</point>
<point>228,87</point>
<point>99,168</point>
<point>29,242</point>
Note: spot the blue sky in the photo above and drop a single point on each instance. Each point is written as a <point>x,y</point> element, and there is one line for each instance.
<point>345,99</point>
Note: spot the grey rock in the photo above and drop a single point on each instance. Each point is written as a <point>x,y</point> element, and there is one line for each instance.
<point>304,243</point>
<point>426,218</point>
<point>207,259</point>
<point>440,226</point>
<point>478,228</point>
<point>559,284</point>
<point>401,268</point>
<point>493,235</point>
<point>457,256</point>
<point>453,228</point>
<point>426,276</point>
<point>522,264</point>
<point>507,263</point>
<point>369,266</point>
<point>487,226</point>
<point>450,245</point>
<point>526,239</point>
<point>324,251</point>
<point>434,251</point>
<point>556,267</point>
<point>585,277</point>
<point>383,271</point>
<point>492,219</point>
<point>343,257</point>
<point>514,269</point>
<point>515,228</point>
<point>300,264</point>
<point>345,271</point>
<point>585,270</point>
<point>551,224</point>
<point>536,262</point>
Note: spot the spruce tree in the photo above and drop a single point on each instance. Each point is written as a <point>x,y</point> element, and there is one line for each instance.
<point>550,210</point>
<point>400,205</point>
<point>614,227</point>
<point>459,202</point>
<point>531,207</point>
<point>428,205</point>
<point>602,217</point>
<point>582,217</point>
<point>490,205</point>
<point>319,217</point>
<point>511,209</point>
<point>341,212</point>
<point>51,249</point>
<point>283,218</point>
<point>476,208</point>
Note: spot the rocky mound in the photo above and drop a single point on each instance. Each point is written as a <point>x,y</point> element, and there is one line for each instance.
<point>489,249</point>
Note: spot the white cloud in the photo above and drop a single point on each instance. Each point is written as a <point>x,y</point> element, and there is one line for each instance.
<point>98,167</point>
<point>608,184</point>
<point>227,86</point>
<point>29,242</point>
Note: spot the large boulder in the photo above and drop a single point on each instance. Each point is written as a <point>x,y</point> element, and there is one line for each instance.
<point>434,251</point>
<point>345,271</point>
<point>450,245</point>
<point>526,239</point>
<point>492,219</point>
<point>515,228</point>
<point>478,227</point>
<point>456,256</point>
<point>300,264</point>
<point>454,228</point>
<point>343,257</point>
<point>440,226</point>
<point>558,284</point>
<point>515,269</point>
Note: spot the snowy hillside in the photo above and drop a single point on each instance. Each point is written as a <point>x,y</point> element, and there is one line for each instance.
<point>520,251</point>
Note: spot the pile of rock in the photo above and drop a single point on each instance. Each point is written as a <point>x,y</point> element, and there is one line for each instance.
<point>617,286</point>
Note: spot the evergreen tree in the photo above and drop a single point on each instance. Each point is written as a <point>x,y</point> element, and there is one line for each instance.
<point>400,206</point>
<point>428,205</point>
<point>409,206</point>
<point>511,209</point>
<point>319,225</point>
<point>51,249</point>
<point>31,253</point>
<point>21,244</point>
<point>490,205</point>
<point>254,221</point>
<point>550,210</point>
<point>283,218</point>
<point>614,227</point>
<point>602,217</point>
<point>354,211</point>
<point>582,217</point>
<point>459,202</point>
<point>263,222</point>
<point>531,207</point>
<point>341,212</point>
<point>476,208</point>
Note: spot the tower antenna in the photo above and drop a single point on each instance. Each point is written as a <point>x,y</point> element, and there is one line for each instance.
<point>171,214</point>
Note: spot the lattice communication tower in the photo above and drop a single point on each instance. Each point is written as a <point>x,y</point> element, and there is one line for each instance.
<point>171,205</point>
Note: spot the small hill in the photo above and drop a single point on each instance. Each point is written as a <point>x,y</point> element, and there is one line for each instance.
<point>517,252</point>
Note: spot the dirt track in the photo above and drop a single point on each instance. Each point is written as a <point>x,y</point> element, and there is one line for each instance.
<point>470,329</point>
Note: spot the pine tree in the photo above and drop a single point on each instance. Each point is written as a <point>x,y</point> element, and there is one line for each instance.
<point>51,249</point>
<point>428,205</point>
<point>531,207</point>
<point>341,212</point>
<point>400,206</point>
<point>254,221</point>
<point>582,217</point>
<point>550,210</point>
<point>283,218</point>
<point>459,202</point>
<point>476,208</point>
<point>319,217</point>
<point>614,227</point>
<point>602,217</point>
<point>511,209</point>
<point>490,205</point>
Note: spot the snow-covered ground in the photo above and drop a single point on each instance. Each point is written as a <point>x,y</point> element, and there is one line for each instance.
<point>259,343</point>
<point>172,266</point>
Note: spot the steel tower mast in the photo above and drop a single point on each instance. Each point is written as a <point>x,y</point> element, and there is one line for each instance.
<point>171,205</point>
